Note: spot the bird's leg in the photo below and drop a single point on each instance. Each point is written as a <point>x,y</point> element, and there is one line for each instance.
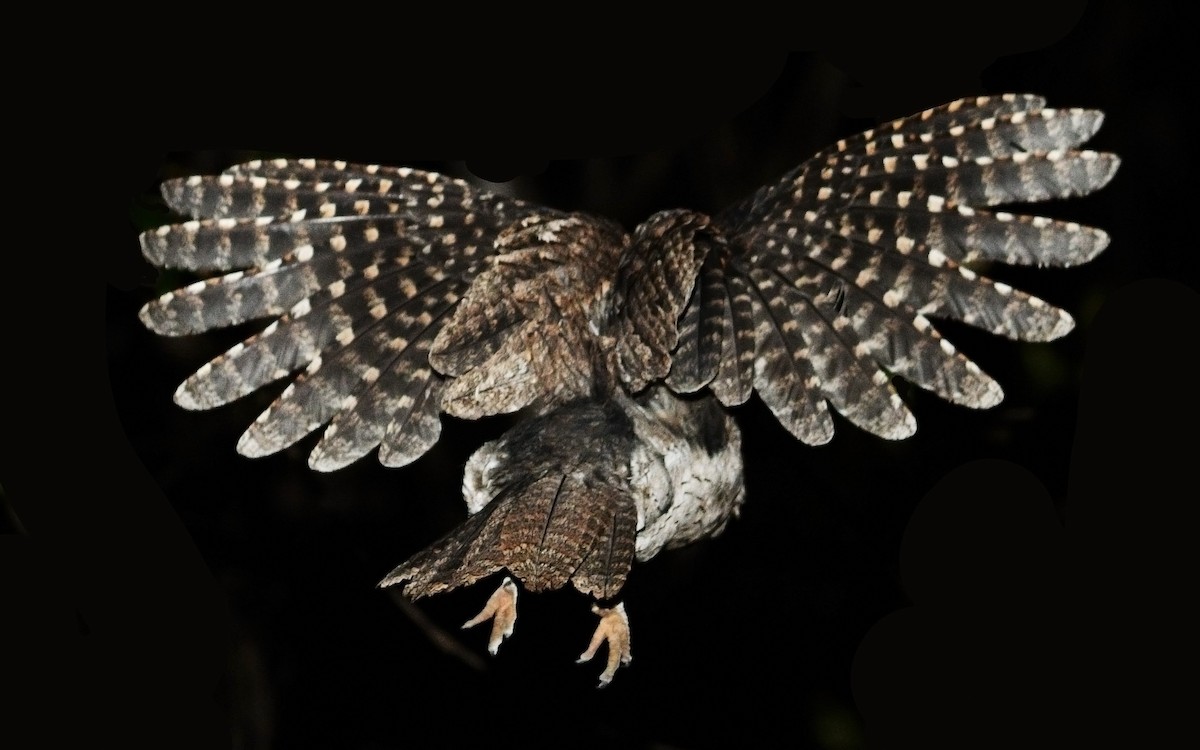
<point>501,609</point>
<point>614,628</point>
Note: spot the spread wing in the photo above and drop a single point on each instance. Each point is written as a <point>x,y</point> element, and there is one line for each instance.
<point>817,289</point>
<point>360,266</point>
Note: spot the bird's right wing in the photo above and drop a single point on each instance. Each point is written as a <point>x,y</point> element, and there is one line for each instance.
<point>818,288</point>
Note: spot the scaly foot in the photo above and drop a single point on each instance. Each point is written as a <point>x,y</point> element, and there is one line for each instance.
<point>614,628</point>
<point>501,608</point>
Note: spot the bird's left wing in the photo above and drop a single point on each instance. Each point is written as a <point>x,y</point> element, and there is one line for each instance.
<point>361,266</point>
<point>817,289</point>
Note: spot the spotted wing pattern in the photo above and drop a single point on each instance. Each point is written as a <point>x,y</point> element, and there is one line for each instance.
<point>360,265</point>
<point>817,289</point>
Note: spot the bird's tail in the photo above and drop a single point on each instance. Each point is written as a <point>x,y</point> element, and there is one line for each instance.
<point>560,511</point>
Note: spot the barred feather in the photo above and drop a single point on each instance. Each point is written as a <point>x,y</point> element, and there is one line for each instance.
<point>697,355</point>
<point>654,282</point>
<point>783,371</point>
<point>734,381</point>
<point>968,235</point>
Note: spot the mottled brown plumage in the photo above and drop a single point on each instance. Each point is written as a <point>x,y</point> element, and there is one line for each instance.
<point>561,509</point>
<point>399,294</point>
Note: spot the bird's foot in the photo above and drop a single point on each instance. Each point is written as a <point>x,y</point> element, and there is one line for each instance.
<point>501,609</point>
<point>614,628</point>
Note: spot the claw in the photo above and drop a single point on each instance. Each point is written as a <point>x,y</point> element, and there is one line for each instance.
<point>502,606</point>
<point>613,628</point>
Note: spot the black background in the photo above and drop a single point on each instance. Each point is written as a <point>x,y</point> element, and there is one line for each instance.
<point>178,594</point>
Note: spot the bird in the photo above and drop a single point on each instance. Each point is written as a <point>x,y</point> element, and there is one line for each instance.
<point>394,295</point>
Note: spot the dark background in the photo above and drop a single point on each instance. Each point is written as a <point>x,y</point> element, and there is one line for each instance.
<point>233,599</point>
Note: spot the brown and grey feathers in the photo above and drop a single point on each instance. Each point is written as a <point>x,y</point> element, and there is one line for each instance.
<point>556,507</point>
<point>398,294</point>
<point>361,265</point>
<point>843,262</point>
<point>530,329</point>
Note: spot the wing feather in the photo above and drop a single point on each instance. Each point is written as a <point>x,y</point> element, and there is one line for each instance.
<point>360,265</point>
<point>846,258</point>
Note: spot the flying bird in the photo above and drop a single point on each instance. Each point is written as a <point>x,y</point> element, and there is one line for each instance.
<point>395,295</point>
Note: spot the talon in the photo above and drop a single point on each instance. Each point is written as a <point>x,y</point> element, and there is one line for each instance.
<point>501,608</point>
<point>613,628</point>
